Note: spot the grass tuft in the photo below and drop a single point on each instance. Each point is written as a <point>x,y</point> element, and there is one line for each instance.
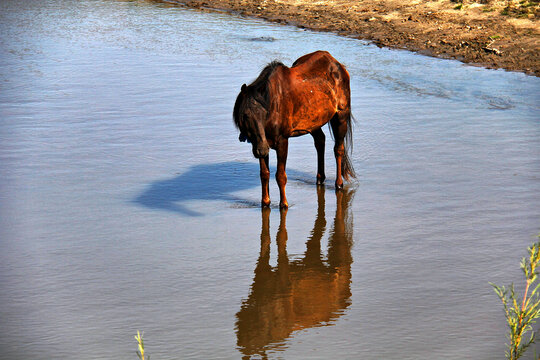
<point>140,342</point>
<point>521,313</point>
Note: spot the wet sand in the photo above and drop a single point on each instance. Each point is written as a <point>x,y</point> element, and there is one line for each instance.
<point>489,33</point>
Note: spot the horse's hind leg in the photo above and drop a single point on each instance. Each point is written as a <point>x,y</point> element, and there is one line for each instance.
<point>319,138</point>
<point>339,128</point>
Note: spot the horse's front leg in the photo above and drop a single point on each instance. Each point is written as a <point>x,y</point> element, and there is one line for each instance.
<point>282,149</point>
<point>265,180</point>
<point>319,138</point>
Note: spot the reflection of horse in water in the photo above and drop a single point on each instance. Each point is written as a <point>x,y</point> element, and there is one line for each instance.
<point>299,293</point>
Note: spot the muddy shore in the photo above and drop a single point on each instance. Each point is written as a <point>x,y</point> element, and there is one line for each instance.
<point>489,33</point>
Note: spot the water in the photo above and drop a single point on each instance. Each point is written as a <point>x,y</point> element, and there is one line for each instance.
<point>127,202</point>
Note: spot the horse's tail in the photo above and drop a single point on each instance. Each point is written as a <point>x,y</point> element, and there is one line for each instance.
<point>347,169</point>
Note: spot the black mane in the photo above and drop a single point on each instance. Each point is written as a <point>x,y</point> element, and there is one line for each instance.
<point>258,90</point>
<point>260,82</point>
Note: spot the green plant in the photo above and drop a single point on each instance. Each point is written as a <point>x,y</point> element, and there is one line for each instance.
<point>140,342</point>
<point>520,315</point>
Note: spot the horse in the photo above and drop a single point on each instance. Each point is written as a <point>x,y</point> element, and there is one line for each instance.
<point>286,102</point>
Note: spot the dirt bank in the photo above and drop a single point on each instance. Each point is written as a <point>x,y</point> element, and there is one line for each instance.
<point>490,33</point>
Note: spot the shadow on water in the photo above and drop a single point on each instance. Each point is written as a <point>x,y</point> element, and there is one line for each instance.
<point>217,181</point>
<point>299,293</point>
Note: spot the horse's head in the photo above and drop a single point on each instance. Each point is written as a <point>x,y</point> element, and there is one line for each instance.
<point>250,111</point>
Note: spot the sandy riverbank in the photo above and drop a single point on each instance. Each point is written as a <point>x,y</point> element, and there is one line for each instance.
<point>490,33</point>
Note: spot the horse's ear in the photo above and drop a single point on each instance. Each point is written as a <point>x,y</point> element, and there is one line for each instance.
<point>244,87</point>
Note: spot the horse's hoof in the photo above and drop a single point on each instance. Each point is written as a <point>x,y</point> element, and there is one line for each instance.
<point>284,205</point>
<point>339,187</point>
<point>265,204</point>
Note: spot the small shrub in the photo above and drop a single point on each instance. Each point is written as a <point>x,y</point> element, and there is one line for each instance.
<point>521,314</point>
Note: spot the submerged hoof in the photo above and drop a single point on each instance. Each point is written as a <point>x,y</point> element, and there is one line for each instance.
<point>339,186</point>
<point>265,203</point>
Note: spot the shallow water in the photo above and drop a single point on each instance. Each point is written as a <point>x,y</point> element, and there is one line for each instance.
<point>127,202</point>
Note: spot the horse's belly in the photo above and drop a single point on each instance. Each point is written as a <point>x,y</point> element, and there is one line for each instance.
<point>295,133</point>
<point>309,119</point>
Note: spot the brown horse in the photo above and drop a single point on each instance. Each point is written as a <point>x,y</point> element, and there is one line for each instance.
<point>286,102</point>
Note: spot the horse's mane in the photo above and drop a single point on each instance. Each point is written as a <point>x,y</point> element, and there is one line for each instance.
<point>258,89</point>
<point>261,81</point>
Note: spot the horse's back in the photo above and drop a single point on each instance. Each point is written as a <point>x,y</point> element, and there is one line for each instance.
<point>316,58</point>
<point>320,64</point>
